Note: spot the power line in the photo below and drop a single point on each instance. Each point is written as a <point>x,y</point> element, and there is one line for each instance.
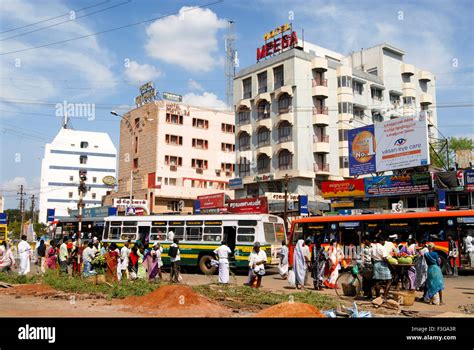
<point>51,18</point>
<point>109,30</point>
<point>66,21</point>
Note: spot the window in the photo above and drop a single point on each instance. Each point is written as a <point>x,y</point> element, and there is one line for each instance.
<point>284,103</point>
<point>245,234</point>
<point>200,123</point>
<point>129,233</point>
<point>343,162</point>
<point>136,144</point>
<point>174,119</point>
<point>70,194</point>
<point>269,232</point>
<point>93,195</point>
<point>278,77</point>
<point>244,141</point>
<point>263,164</point>
<point>377,94</point>
<point>227,128</point>
<point>343,135</point>
<point>409,101</point>
<point>94,180</point>
<point>394,99</point>
<point>244,167</point>
<point>345,107</point>
<point>84,144</point>
<point>193,233</point>
<point>285,159</point>
<point>357,87</point>
<point>227,147</point>
<point>263,136</point>
<point>199,163</point>
<point>83,159</point>
<point>284,131</point>
<point>263,110</point>
<point>376,116</point>
<point>173,160</point>
<point>135,163</point>
<point>359,113</point>
<point>71,178</point>
<point>158,233</point>
<point>243,116</point>
<point>344,81</point>
<point>227,167</point>
<point>201,144</point>
<point>172,181</point>
<point>262,82</point>
<point>212,234</point>
<point>174,140</point>
<point>247,87</point>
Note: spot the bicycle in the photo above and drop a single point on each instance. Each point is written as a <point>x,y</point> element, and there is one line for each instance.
<point>349,283</point>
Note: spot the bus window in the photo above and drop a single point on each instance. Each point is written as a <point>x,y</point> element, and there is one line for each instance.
<point>373,228</point>
<point>245,234</point>
<point>129,223</point>
<point>350,232</point>
<point>114,232</point>
<point>158,233</point>
<point>280,232</point>
<point>247,223</point>
<point>269,232</point>
<point>212,234</point>
<point>129,233</point>
<point>297,233</point>
<point>431,230</point>
<point>402,228</point>
<point>193,233</point>
<point>178,232</point>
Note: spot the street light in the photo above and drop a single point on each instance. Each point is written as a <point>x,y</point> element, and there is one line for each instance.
<point>131,148</point>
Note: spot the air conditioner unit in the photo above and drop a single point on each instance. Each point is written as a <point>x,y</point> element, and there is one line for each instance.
<point>199,171</point>
<point>173,168</point>
<point>228,173</point>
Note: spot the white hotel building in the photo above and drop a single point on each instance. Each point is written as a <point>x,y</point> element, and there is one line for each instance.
<point>71,151</point>
<point>293,111</point>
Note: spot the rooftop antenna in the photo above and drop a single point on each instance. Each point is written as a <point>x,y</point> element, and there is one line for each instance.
<point>230,63</point>
<point>66,122</point>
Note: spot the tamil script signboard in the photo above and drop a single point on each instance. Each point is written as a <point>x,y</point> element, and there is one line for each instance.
<point>210,201</point>
<point>345,188</point>
<point>172,97</point>
<point>397,184</point>
<point>393,144</point>
<point>125,202</point>
<point>258,205</point>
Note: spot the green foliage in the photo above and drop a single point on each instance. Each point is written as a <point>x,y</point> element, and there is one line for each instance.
<point>14,278</point>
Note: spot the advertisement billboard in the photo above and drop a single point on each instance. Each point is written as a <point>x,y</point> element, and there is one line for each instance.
<point>393,144</point>
<point>345,188</point>
<point>210,201</point>
<point>362,150</point>
<point>469,180</point>
<point>397,184</point>
<point>258,205</point>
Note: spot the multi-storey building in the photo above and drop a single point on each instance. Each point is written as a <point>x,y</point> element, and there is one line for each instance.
<point>170,153</point>
<point>70,152</point>
<point>294,110</point>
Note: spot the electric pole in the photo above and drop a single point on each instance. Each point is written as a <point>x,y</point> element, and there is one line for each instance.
<point>80,205</point>
<point>22,208</point>
<point>285,210</point>
<point>33,209</point>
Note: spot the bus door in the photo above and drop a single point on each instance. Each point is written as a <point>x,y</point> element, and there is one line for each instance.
<point>144,232</point>
<point>230,233</point>
<point>350,236</point>
<point>465,229</point>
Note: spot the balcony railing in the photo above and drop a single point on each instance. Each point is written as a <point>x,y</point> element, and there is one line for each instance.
<point>320,110</point>
<point>261,116</point>
<point>263,143</point>
<point>243,121</point>
<point>287,166</point>
<point>244,147</point>
<point>284,110</point>
<point>320,82</point>
<point>263,170</point>
<point>320,138</point>
<point>321,167</point>
<point>285,138</point>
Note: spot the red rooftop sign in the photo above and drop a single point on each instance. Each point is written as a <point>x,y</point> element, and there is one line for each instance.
<point>274,44</point>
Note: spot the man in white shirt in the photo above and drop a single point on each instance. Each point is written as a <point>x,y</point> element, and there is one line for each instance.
<point>87,257</point>
<point>222,254</point>
<point>24,252</point>
<point>175,258</point>
<point>257,260</point>
<point>382,274</point>
<point>124,256</point>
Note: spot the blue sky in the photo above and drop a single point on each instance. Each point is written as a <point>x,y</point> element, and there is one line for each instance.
<point>184,54</point>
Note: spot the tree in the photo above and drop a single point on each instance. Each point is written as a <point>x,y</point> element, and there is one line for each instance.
<point>440,155</point>
<point>457,144</point>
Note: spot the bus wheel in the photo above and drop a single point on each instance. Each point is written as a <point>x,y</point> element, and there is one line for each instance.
<point>205,265</point>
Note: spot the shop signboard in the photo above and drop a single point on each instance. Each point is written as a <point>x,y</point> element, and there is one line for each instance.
<point>397,184</point>
<point>345,188</point>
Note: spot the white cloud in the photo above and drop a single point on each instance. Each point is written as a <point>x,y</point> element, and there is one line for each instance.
<point>188,40</point>
<point>207,100</point>
<point>14,184</point>
<point>141,73</point>
<point>194,85</point>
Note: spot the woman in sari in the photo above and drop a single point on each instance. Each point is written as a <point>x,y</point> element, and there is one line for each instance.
<point>111,260</point>
<point>410,250</point>
<point>434,280</point>
<point>141,270</point>
<point>334,261</point>
<point>300,263</point>
<point>421,267</point>
<point>133,262</point>
<point>51,257</point>
<point>319,258</point>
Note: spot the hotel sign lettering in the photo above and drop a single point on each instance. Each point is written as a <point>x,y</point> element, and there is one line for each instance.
<point>277,41</point>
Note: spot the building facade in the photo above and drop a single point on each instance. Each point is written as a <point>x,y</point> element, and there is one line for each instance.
<point>294,110</point>
<point>170,153</point>
<point>71,151</point>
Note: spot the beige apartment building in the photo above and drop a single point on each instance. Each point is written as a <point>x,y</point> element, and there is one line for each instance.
<point>174,153</point>
<point>294,110</point>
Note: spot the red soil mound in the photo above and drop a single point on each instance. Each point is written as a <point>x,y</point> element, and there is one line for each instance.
<point>30,289</point>
<point>290,310</point>
<point>176,300</point>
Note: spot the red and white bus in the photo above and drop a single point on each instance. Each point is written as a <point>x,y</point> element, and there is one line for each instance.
<point>423,226</point>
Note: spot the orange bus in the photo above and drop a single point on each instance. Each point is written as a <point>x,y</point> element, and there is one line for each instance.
<point>422,226</point>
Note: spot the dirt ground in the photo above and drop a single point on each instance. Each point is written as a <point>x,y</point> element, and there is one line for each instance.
<point>43,301</point>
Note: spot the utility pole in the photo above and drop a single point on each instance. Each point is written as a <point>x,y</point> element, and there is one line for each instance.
<point>80,205</point>
<point>285,210</point>
<point>33,209</point>
<point>22,207</point>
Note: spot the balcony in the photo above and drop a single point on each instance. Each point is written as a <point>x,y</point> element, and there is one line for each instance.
<point>407,69</point>
<point>426,99</point>
<point>285,144</point>
<point>409,90</point>
<point>319,64</point>
<point>320,115</point>
<point>321,144</point>
<point>282,89</point>
<point>321,168</point>
<point>264,149</point>
<point>266,122</point>
<point>244,103</point>
<point>284,114</point>
<point>425,76</point>
<point>265,96</point>
<point>320,88</point>
<point>244,128</point>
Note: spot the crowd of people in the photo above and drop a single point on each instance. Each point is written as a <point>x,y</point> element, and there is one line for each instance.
<point>374,262</point>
